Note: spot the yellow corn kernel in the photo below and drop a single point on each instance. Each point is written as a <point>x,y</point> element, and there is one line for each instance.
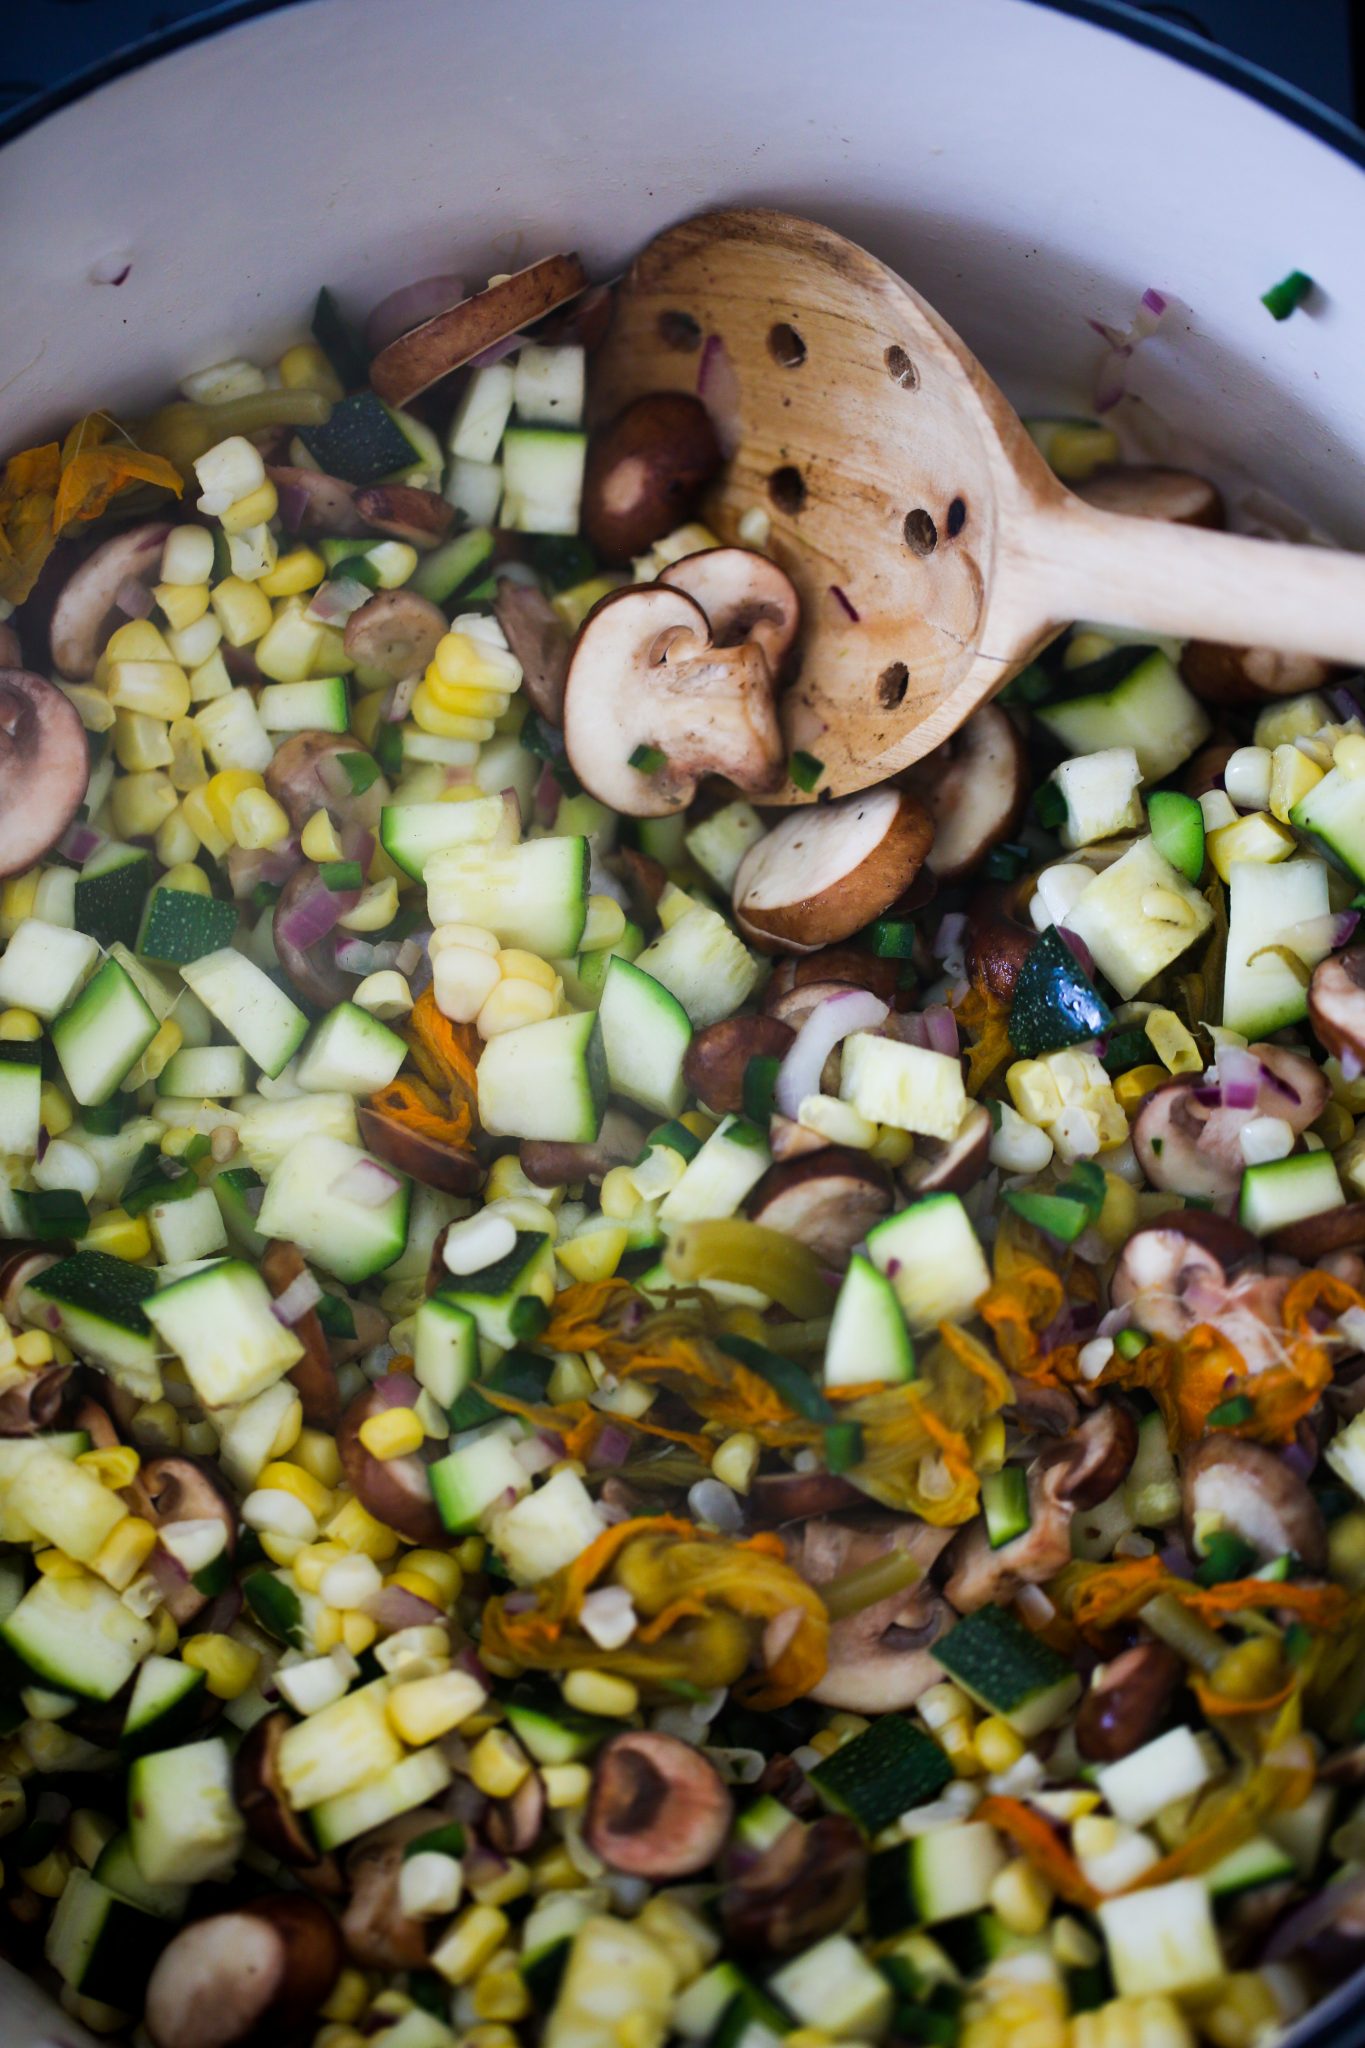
<point>997,1745</point>
<point>470,1553</point>
<point>1118,1215</point>
<point>317,1453</point>
<point>1034,1092</point>
<point>474,1938</point>
<point>1133,1088</point>
<point>140,743</point>
<point>55,1564</point>
<point>197,812</point>
<point>318,839</point>
<point>333,2035</point>
<point>358,1631</point>
<point>459,658</point>
<point>157,689</point>
<point>498,1764</point>
<point>48,1878</point>
<point>1335,1126</point>
<point>20,1026</point>
<point>242,610</point>
<point>1292,775</point>
<point>826,1742</point>
<point>441,1569</point>
<point>736,1461</point>
<point>314,1561</point>
<point>167,1634</point>
<point>618,1196</point>
<point>182,603</point>
<point>224,789</point>
<point>116,1467</point>
<point>142,802</point>
<point>299,570</point>
<point>327,1630</point>
<point>464,700</point>
<point>566,1785</point>
<point>1142,2023</point>
<point>348,1997</point>
<point>228,1666</point>
<point>304,367</point>
<point>512,1005</point>
<point>501,1995</point>
<point>1348,754</point>
<point>124,1551</point>
<point>955,1740</point>
<point>164,1046</point>
<point>54,1110</point>
<point>493,2034</point>
<point>808,2037</point>
<point>517,965</point>
<point>416,1583</point>
<point>601,1692</point>
<point>257,820</point>
<point>33,1348</point>
<point>393,1433</point>
<point>281,1550</point>
<point>377,908</point>
<point>17,899</point>
<point>355,1528</point>
<point>499,1886</point>
<point>290,1477</point>
<point>595,1254</point>
<point>449,725</point>
<point>137,640</point>
<point>605,924</point>
<point>424,1709</point>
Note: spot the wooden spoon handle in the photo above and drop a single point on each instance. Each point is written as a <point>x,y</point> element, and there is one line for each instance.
<point>1142,573</point>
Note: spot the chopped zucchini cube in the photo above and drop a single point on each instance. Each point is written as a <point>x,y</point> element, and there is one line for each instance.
<point>1162,1940</point>
<point>1008,1670</point>
<point>219,1323</point>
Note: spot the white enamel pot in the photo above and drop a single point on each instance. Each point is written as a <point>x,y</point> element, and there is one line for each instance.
<point>1030,168</point>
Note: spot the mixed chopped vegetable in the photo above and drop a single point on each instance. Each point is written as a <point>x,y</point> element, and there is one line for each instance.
<point>625,1414</point>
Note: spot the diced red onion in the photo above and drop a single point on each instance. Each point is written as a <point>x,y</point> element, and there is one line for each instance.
<point>950,936</point>
<point>314,915</point>
<point>853,1009</point>
<point>1177,1559</point>
<point>409,306</point>
<point>547,795</point>
<point>252,1199</point>
<point>841,599</point>
<point>1121,342</point>
<point>1154,302</point>
<point>299,1296</point>
<point>940,1030</point>
<point>1344,928</point>
<point>355,956</point>
<point>397,1390</point>
<point>134,599</point>
<point>534,1454</point>
<point>1078,949</point>
<point>496,352</point>
<point>249,866</point>
<point>357,844</point>
<point>1237,1066</point>
<point>611,1448</point>
<point>394,1608</point>
<point>333,602</point>
<point>1351,1064</point>
<point>1226,1095</point>
<point>44,1140</point>
<point>295,505</point>
<point>368,1184</point>
<point>79,841</point>
<point>718,390</point>
<point>398,702</point>
<point>411,952</point>
<point>1347,701</point>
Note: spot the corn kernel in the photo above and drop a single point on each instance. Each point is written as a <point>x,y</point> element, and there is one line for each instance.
<point>20,1026</point>
<point>356,1529</point>
<point>1118,1217</point>
<point>376,909</point>
<point>254,509</point>
<point>594,1254</point>
<point>55,1564</point>
<point>393,1433</point>
<point>1255,836</point>
<point>304,367</point>
<point>997,1745</point>
<point>317,1454</point>
<point>299,570</point>
<point>197,812</point>
<point>48,1878</point>
<point>943,1703</point>
<point>318,839</point>
<point>228,1666</point>
<point>281,1550</point>
<point>513,1004</point>
<point>315,1560</point>
<point>242,610</point>
<point>422,1710</point>
<point>124,1551</point>
<point>385,995</point>
<point>601,1692</point>
<point>463,700</point>
<point>498,1764</point>
<point>137,640</point>
<point>257,820</point>
<point>1348,755</point>
<point>1292,775</point>
<point>358,1632</point>
<point>736,1461</point>
<point>224,789</point>
<point>284,1477</point>
<point>428,716</point>
<point>33,1348</point>
<point>1133,1088</point>
<point>182,603</point>
<point>463,979</point>
<point>17,900</point>
<point>348,1997</point>
<point>501,1995</point>
<point>492,2034</point>
<point>115,1466</point>
<point>475,1936</point>
<point>500,1885</point>
<point>618,1197</point>
<point>441,1569</point>
<point>418,1584</point>
<point>327,1630</point>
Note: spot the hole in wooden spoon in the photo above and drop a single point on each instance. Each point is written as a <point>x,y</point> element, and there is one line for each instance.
<point>785,345</point>
<point>921,534</point>
<point>679,331</point>
<point>787,488</point>
<point>900,369</point>
<point>892,684</point>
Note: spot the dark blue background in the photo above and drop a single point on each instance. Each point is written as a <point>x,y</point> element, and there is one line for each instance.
<point>1308,43</point>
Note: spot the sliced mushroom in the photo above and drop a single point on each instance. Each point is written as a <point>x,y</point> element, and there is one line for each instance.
<point>777,1497</point>
<point>1315,1239</point>
<point>261,1798</point>
<point>313,970</point>
<point>950,1165</point>
<point>257,1974</point>
<point>395,634</point>
<point>1229,676</point>
<point>513,1826</point>
<point>304,775</point>
<point>823,873</point>
<point>1192,1267</point>
<point>455,1169</point>
<point>1336,1004</point>
<point>717,1058</point>
<point>1127,1702</point>
<point>44,767</point>
<point>312,502</point>
<point>85,613</point>
<point>539,639</point>
<point>177,1488</point>
<point>744,595</point>
<point>396,1491</point>
<point>658,1808</point>
<point>646,471</point>
<point>974,787</point>
<point>879,1657</point>
<point>425,354</point>
<point>35,1402</point>
<point>11,653</point>
<point>421,518</point>
<point>1039,1409</point>
<point>643,878</point>
<point>828,1200</point>
<point>378,1934</point>
<point>1092,1461</point>
<point>1251,1492</point>
<point>788,1140</point>
<point>645,674</point>
<point>1141,492</point>
<point>828,969</point>
<point>1194,1148</point>
<point>804,1885</point>
<point>551,1164</point>
<point>315,1374</point>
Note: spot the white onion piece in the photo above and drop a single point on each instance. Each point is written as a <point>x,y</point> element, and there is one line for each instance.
<point>298,1297</point>
<point>853,1009</point>
<point>607,1614</point>
<point>368,1184</point>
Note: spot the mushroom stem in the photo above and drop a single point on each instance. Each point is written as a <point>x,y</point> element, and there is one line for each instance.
<point>719,705</point>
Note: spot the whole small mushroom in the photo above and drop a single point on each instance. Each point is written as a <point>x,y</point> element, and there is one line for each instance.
<point>823,873</point>
<point>645,471</point>
<point>974,787</point>
<point>86,610</point>
<point>647,683</point>
<point>257,1974</point>
<point>658,1808</point>
<point>44,768</point>
<point>1251,1492</point>
<point>1336,1004</point>
<point>305,775</point>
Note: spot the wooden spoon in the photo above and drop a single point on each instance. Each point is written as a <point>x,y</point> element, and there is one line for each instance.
<point>933,549</point>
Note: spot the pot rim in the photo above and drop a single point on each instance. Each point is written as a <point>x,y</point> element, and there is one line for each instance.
<point>1168,38</point>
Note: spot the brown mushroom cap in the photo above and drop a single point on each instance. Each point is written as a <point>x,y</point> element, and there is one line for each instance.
<point>644,672</point>
<point>777,1497</point>
<point>396,1491</point>
<point>1143,492</point>
<point>312,502</point>
<point>658,1808</point>
<point>1127,1701</point>
<point>825,872</point>
<point>378,1934</point>
<point>1336,1003</point>
<point>1205,770</point>
<point>315,1374</point>
<point>453,1168</point>
<point>1092,1460</point>
<point>1256,1496</point>
<point>879,1657</point>
<point>425,354</point>
<point>34,1402</point>
<point>1315,1238</point>
<point>744,595</point>
<point>538,638</point>
<point>804,1885</point>
<point>261,1798</point>
<point>178,1488</point>
<point>974,787</point>
<point>421,518</point>
<point>717,1057</point>
<point>314,971</point>
<point>253,1975</point>
<point>551,1163</point>
<point>44,767</point>
<point>831,967</point>
<point>950,1165</point>
<point>828,1200</point>
<point>394,634</point>
<point>84,614</point>
<point>646,470</point>
<point>303,776</point>
<point>513,1826</point>
<point>1222,675</point>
